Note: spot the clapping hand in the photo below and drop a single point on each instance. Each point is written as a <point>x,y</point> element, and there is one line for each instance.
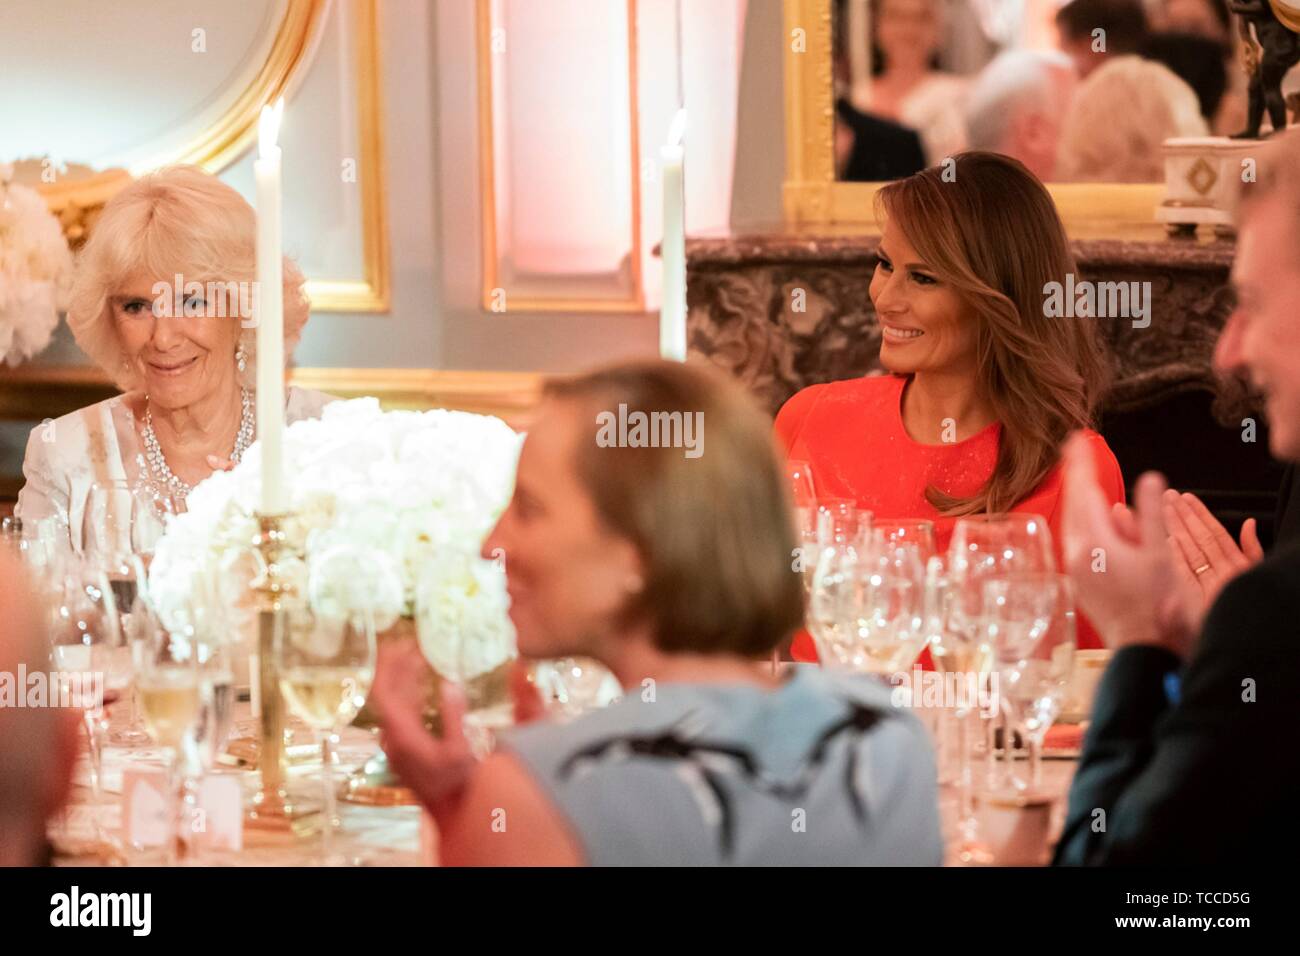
<point>1121,562</point>
<point>1205,556</point>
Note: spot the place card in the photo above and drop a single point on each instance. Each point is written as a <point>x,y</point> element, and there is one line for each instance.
<point>217,821</point>
<point>144,806</point>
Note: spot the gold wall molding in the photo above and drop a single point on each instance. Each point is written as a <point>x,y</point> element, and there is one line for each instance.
<point>78,202</point>
<point>34,392</point>
<point>372,293</point>
<point>234,131</point>
<point>811,193</point>
<point>487,183</point>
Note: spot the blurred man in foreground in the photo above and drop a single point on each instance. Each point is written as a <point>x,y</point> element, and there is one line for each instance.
<point>38,744</point>
<point>1189,758</point>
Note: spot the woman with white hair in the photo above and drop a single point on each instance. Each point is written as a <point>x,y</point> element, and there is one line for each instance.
<point>164,301</point>
<point>1121,114</point>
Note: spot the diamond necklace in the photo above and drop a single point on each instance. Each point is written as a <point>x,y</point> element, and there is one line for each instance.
<point>158,464</point>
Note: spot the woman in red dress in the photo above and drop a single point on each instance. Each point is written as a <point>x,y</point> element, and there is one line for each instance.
<point>985,385</point>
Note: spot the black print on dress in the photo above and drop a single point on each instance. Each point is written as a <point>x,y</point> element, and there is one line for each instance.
<point>703,766</point>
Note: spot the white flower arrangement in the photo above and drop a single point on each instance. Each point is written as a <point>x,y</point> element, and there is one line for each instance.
<point>35,270</point>
<point>416,492</point>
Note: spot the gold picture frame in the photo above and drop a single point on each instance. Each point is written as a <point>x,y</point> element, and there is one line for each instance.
<point>812,195</point>
<point>635,301</point>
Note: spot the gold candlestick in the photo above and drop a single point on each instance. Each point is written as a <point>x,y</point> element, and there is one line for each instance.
<point>271,809</point>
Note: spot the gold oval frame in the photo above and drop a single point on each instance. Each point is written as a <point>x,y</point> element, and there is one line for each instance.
<point>76,202</point>
<point>812,195</point>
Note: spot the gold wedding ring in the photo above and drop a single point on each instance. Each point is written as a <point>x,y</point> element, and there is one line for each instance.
<point>1201,570</point>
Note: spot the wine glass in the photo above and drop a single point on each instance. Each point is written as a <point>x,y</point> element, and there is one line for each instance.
<point>167,682</point>
<point>11,534</point>
<point>983,546</point>
<point>1029,625</point>
<point>829,580</point>
<point>799,475</point>
<point>121,524</point>
<point>211,627</point>
<point>326,662</point>
<point>885,604</point>
<point>918,532</point>
<point>87,649</point>
<point>572,686</point>
<point>803,493</point>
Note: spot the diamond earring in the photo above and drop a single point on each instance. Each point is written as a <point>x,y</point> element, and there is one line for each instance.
<point>241,360</point>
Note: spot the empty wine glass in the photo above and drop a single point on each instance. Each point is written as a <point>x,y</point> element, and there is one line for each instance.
<point>91,661</point>
<point>207,737</point>
<point>167,682</point>
<point>918,532</point>
<point>799,476</point>
<point>830,583</point>
<point>1029,624</point>
<point>983,546</point>
<point>572,686</point>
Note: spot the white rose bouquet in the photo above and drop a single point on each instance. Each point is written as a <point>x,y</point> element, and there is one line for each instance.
<point>35,271</point>
<point>414,492</point>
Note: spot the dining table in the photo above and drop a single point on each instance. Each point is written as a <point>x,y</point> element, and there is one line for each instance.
<point>90,832</point>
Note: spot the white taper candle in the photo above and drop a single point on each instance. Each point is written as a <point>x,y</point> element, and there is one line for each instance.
<point>672,251</point>
<point>270,311</point>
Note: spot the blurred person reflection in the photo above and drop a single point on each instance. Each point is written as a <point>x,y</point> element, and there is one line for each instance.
<point>1015,107</point>
<point>907,85</point>
<point>1120,116</point>
<point>1091,31</point>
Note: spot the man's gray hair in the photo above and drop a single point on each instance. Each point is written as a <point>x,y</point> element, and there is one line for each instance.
<point>1012,79</point>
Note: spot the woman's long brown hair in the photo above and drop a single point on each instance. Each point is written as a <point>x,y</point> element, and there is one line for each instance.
<point>990,231</point>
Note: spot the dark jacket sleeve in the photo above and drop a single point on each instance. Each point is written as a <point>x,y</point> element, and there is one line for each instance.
<point>1195,781</point>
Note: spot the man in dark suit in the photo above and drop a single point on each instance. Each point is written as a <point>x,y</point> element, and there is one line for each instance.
<point>1190,756</point>
<point>881,150</point>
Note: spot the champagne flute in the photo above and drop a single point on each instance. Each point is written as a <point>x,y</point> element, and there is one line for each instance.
<point>121,524</point>
<point>167,681</point>
<point>207,736</point>
<point>838,540</point>
<point>983,546</point>
<point>1029,624</point>
<point>886,604</point>
<point>86,645</point>
<point>803,493</point>
<point>326,662</point>
<point>326,666</point>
